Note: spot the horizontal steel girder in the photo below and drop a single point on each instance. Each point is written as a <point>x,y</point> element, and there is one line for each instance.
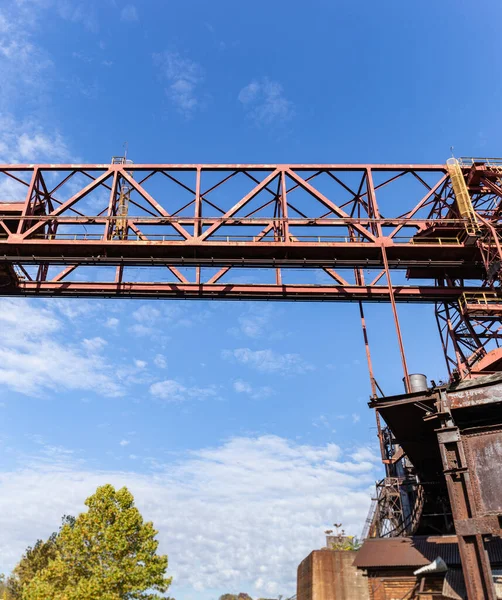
<point>193,291</point>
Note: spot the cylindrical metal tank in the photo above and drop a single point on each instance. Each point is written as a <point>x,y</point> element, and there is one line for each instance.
<point>418,383</point>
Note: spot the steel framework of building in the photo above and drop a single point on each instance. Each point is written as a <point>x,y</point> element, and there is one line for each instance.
<point>396,233</point>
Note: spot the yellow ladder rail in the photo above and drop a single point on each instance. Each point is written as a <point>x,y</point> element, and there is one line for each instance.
<point>120,227</point>
<point>462,196</point>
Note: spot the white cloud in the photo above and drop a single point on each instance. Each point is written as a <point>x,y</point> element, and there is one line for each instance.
<point>112,322</point>
<point>26,67</point>
<point>160,361</point>
<point>124,442</point>
<point>27,142</point>
<point>95,344</point>
<point>244,387</point>
<point>254,322</point>
<point>184,77</point>
<point>141,330</point>
<point>23,64</point>
<point>140,364</point>
<point>129,13</point>
<point>264,102</point>
<point>146,317</point>
<point>356,417</point>
<point>268,361</point>
<point>232,516</point>
<point>146,314</point>
<point>34,361</point>
<point>364,454</point>
<point>77,12</point>
<point>170,390</point>
<point>322,421</point>
<point>151,321</point>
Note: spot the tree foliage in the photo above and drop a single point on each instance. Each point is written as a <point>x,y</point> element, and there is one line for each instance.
<point>34,560</point>
<point>106,553</point>
<point>345,542</point>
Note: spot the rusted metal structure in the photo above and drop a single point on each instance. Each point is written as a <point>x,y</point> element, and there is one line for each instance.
<point>395,567</point>
<point>451,437</point>
<point>318,232</point>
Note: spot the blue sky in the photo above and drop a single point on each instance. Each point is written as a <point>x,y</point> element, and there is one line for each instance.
<point>241,428</point>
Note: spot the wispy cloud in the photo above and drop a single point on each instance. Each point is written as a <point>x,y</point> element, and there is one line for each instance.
<point>253,322</point>
<point>184,77</point>
<point>264,102</point>
<point>77,11</point>
<point>33,361</point>
<point>129,13</point>
<point>112,322</point>
<point>26,66</point>
<point>150,320</point>
<point>236,499</point>
<point>244,387</point>
<point>22,60</point>
<point>26,141</point>
<point>171,390</point>
<point>160,361</point>
<point>95,344</point>
<point>268,361</point>
<point>322,421</point>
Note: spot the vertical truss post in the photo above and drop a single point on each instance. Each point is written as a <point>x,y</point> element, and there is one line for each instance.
<point>197,227</point>
<point>29,202</point>
<point>284,208</point>
<point>111,212</point>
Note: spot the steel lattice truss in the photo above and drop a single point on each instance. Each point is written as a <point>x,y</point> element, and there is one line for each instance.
<point>293,232</point>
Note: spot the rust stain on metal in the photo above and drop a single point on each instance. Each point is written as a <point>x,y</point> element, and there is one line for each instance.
<point>475,396</point>
<point>484,455</point>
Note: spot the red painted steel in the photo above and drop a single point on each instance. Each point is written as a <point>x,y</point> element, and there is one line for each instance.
<point>242,231</point>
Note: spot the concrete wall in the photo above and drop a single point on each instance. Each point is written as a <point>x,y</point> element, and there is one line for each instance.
<point>329,575</point>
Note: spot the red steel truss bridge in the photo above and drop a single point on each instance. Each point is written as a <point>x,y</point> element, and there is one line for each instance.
<point>317,232</point>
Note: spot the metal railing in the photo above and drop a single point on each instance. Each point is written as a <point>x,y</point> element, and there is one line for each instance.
<point>479,300</point>
<point>470,161</point>
<point>441,241</point>
<point>318,239</point>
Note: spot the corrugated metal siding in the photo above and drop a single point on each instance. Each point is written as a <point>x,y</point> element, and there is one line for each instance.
<point>454,585</point>
<point>417,552</point>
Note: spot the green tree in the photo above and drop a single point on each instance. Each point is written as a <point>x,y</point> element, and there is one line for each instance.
<point>34,560</point>
<point>108,553</point>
